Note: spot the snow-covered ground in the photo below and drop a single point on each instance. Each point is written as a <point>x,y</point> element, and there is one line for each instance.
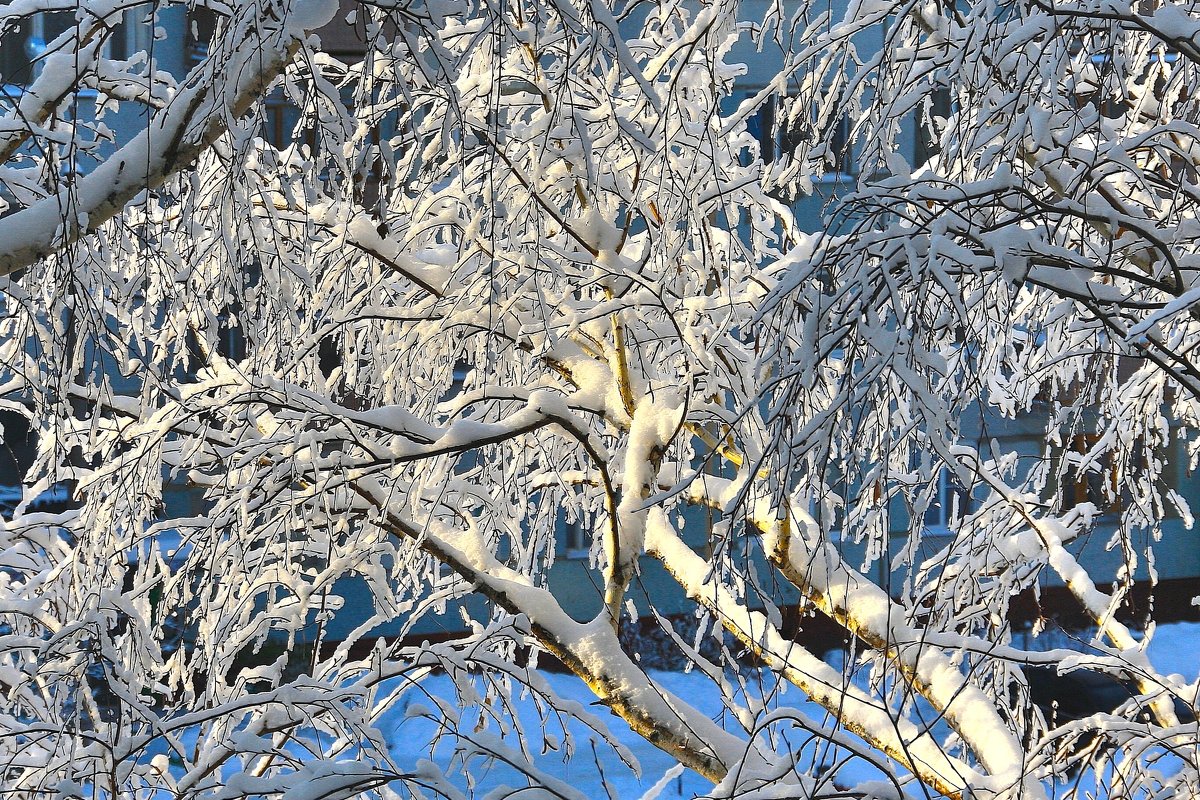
<point>596,771</point>
<point>1175,648</point>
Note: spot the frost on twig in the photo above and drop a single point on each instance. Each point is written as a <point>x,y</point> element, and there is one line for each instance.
<point>520,294</point>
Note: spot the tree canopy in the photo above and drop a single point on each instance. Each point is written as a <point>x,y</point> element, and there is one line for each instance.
<point>522,265</point>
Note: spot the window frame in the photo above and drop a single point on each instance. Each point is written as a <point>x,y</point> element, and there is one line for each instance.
<point>950,502</point>
<point>576,545</point>
<point>773,139</point>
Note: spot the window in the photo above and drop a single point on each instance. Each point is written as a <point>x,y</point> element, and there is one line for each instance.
<point>1097,82</point>
<point>931,123</point>
<point>231,339</point>
<point>777,136</point>
<point>14,61</point>
<point>24,45</point>
<point>1100,85</point>
<point>18,447</point>
<point>1089,480</point>
<point>201,26</point>
<point>280,118</point>
<point>576,543</point>
<point>284,125</point>
<point>780,129</point>
<point>951,501</point>
<point>839,161</point>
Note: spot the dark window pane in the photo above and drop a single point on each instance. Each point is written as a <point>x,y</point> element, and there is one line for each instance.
<point>14,60</point>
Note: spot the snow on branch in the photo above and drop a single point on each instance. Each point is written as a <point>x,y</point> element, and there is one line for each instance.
<point>354,360</point>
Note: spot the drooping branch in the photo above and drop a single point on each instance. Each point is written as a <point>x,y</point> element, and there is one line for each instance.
<point>913,747</point>
<point>256,49</point>
<point>590,650</point>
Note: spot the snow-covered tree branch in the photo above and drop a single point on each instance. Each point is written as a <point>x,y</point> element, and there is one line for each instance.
<point>333,348</point>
